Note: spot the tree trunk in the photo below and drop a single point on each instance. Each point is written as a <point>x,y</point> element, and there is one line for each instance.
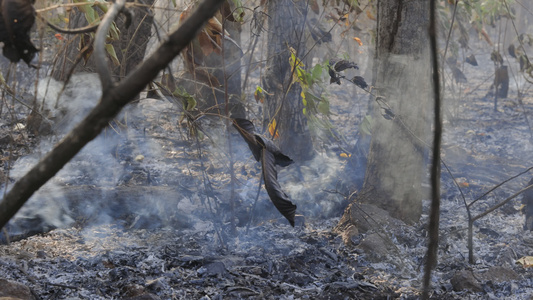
<point>396,163</point>
<point>286,25</point>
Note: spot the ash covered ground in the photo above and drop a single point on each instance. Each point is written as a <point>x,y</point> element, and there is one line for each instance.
<point>144,212</point>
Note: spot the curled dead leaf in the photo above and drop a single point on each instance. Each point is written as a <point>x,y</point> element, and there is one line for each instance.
<point>273,127</point>
<point>525,261</point>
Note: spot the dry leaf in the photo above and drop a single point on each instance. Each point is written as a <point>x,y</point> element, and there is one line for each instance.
<point>358,40</point>
<point>314,6</point>
<point>370,15</point>
<point>205,44</point>
<point>272,127</point>
<point>259,95</point>
<point>525,261</point>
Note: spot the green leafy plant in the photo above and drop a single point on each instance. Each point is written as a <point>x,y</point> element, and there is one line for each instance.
<point>93,17</point>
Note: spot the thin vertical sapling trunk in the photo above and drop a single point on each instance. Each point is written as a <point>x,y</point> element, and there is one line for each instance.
<point>434,215</point>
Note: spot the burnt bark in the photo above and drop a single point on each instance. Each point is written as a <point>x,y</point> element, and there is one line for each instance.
<point>110,104</point>
<point>286,27</point>
<point>396,162</point>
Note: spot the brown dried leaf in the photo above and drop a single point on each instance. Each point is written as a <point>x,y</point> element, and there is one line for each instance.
<point>314,6</point>
<point>206,45</point>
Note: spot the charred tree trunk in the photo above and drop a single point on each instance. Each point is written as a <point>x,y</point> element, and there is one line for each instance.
<point>396,163</point>
<point>283,104</point>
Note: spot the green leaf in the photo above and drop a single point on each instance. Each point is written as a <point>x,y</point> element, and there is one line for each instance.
<point>301,74</point>
<point>189,102</point>
<point>311,100</point>
<point>304,101</point>
<point>102,5</point>
<point>238,11</point>
<point>111,51</point>
<point>323,107</point>
<point>366,125</point>
<point>317,73</point>
<point>114,32</point>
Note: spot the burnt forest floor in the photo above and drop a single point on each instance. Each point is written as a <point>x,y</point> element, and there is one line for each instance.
<point>144,212</point>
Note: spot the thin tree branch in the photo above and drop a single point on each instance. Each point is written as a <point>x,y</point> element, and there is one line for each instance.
<point>488,211</point>
<point>109,106</point>
<point>499,184</point>
<point>434,214</point>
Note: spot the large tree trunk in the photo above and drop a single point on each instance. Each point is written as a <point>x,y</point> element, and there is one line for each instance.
<point>396,163</point>
<point>286,25</point>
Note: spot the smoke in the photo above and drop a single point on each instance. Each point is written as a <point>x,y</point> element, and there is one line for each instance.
<point>69,105</point>
<point>78,192</point>
<point>143,171</point>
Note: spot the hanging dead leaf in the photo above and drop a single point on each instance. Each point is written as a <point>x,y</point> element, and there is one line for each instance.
<point>259,95</point>
<point>370,15</point>
<point>277,195</point>
<point>214,26</point>
<point>345,155</point>
<point>205,44</point>
<point>272,127</point>
<point>358,40</point>
<point>496,57</point>
<point>16,20</point>
<point>86,43</point>
<point>341,65</point>
<point>512,51</point>
<point>359,81</point>
<point>471,59</point>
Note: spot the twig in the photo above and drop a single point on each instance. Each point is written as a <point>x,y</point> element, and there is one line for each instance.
<point>500,184</point>
<point>488,211</point>
<point>255,202</point>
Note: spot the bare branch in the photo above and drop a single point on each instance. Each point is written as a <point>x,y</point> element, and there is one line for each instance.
<point>495,207</point>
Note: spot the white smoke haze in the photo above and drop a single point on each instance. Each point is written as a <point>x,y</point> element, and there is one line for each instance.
<point>72,103</point>
<point>106,161</point>
<point>171,159</point>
